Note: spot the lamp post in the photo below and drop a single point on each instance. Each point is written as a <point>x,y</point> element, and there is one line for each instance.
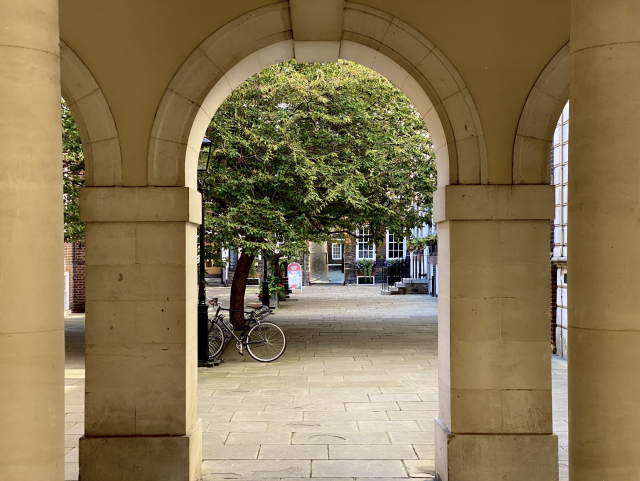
<point>204,162</point>
<point>265,282</point>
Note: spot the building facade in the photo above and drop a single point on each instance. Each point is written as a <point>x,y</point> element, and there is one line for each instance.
<point>74,277</point>
<point>560,178</point>
<point>343,256</point>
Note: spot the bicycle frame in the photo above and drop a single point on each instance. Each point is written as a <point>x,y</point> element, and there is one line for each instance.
<point>242,340</point>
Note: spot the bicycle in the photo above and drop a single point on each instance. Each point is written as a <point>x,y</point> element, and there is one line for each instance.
<point>264,341</point>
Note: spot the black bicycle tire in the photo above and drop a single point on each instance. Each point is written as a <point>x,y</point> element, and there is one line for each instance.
<point>215,329</point>
<point>265,324</point>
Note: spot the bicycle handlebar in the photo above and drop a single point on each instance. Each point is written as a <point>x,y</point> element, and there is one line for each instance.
<point>213,301</point>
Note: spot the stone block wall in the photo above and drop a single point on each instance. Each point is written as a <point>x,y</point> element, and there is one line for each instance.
<point>418,286</point>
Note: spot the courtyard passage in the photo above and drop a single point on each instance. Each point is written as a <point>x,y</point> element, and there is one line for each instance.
<point>353,397</point>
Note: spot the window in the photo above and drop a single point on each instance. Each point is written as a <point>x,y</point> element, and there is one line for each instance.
<point>395,248</point>
<point>336,252</point>
<point>366,250</point>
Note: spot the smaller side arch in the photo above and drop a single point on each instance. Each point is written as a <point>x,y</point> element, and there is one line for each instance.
<point>534,137</point>
<point>91,112</point>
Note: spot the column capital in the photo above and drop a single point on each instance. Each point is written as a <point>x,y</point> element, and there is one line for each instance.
<point>493,202</point>
<point>140,204</point>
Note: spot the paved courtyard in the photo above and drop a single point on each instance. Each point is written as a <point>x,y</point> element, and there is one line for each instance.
<point>353,397</point>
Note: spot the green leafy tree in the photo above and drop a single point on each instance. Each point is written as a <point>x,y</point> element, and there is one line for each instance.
<point>72,176</point>
<point>304,151</point>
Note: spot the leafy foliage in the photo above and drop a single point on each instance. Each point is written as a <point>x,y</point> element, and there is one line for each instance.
<point>417,245</point>
<point>72,176</point>
<point>364,265</point>
<point>301,151</point>
<point>394,262</point>
<point>275,285</point>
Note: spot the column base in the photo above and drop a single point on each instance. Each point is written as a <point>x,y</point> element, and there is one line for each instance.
<point>489,457</point>
<point>142,458</point>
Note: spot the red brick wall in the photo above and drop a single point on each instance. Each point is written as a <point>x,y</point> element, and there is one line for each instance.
<point>74,256</point>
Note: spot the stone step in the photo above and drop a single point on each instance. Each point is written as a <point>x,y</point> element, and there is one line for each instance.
<point>415,281</point>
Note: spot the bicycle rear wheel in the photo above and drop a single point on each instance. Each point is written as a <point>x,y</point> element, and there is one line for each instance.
<point>216,340</point>
<point>266,342</point>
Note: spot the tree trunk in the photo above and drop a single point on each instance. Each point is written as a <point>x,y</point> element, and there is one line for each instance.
<point>276,265</point>
<point>238,288</point>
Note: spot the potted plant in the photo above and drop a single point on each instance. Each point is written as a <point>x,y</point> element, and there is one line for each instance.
<point>277,291</point>
<point>365,269</point>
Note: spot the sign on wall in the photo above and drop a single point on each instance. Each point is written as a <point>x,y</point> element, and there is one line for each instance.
<point>294,274</point>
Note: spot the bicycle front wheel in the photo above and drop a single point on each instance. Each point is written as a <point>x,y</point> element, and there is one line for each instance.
<point>266,342</point>
<point>216,340</point>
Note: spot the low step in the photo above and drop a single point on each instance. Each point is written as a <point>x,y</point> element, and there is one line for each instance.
<point>415,281</point>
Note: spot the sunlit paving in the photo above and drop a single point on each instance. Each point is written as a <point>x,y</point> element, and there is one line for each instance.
<point>354,396</point>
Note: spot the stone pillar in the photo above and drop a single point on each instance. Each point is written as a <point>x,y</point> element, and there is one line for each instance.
<point>31,244</point>
<point>494,352</point>
<point>318,262</point>
<point>604,241</point>
<point>141,340</point>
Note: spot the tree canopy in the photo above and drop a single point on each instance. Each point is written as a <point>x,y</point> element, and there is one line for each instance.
<point>301,151</point>
<point>72,175</point>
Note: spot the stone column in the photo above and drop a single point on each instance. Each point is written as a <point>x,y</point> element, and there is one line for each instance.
<point>141,340</point>
<point>604,241</point>
<point>31,244</point>
<point>318,262</point>
<point>494,349</point>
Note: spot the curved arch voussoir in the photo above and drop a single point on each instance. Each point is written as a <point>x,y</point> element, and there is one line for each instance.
<point>534,137</point>
<point>369,37</point>
<point>91,112</point>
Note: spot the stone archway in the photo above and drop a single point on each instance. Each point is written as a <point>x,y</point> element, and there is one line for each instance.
<point>265,36</point>
<point>534,137</point>
<point>98,132</point>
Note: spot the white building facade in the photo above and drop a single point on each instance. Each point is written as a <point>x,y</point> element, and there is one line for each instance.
<point>560,178</point>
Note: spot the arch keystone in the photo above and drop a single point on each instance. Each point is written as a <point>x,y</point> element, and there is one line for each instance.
<point>316,20</point>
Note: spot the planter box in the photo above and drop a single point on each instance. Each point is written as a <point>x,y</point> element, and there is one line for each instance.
<point>273,300</point>
<point>253,281</point>
<point>365,280</point>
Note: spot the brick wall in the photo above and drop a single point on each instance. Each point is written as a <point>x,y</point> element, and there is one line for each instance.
<point>74,263</point>
<point>350,272</point>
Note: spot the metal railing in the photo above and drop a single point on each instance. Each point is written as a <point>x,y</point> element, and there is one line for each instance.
<point>416,266</point>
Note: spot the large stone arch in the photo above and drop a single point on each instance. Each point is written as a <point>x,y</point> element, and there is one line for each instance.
<point>100,144</point>
<point>534,136</point>
<point>264,37</point>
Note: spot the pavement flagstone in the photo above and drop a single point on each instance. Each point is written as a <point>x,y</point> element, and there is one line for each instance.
<point>352,398</point>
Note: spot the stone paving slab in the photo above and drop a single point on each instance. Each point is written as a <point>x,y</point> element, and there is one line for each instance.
<point>353,398</point>
<point>357,468</point>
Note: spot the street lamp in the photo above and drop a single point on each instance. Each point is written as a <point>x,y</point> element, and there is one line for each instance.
<point>204,161</point>
<point>265,281</point>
